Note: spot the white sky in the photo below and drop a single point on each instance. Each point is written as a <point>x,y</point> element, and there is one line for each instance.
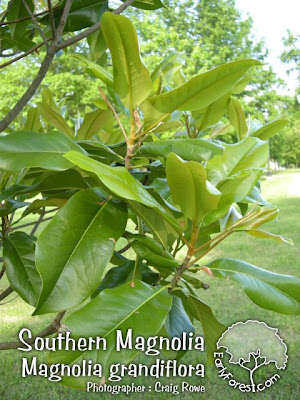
<point>271,19</point>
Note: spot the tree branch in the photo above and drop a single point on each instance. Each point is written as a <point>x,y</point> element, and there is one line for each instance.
<point>9,118</point>
<point>52,328</point>
<point>22,55</point>
<point>38,222</point>
<point>31,223</point>
<point>51,17</point>
<point>36,23</point>
<point>23,18</point>
<point>41,74</point>
<point>6,293</point>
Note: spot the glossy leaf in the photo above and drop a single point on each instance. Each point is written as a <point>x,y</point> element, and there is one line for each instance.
<point>203,89</point>
<point>190,189</point>
<point>275,292</point>
<point>120,182</point>
<point>83,235</point>
<point>237,118</point>
<point>93,122</point>
<point>18,253</point>
<point>212,328</point>
<point>188,149</point>
<point>96,69</point>
<point>30,149</point>
<point>55,119</point>
<point>248,154</point>
<point>83,14</point>
<point>272,236</point>
<point>178,322</point>
<point>131,78</point>
<point>152,251</point>
<point>141,307</point>
<point>33,122</point>
<point>16,11</point>
<point>160,228</point>
<point>97,45</point>
<point>147,4</point>
<point>270,129</point>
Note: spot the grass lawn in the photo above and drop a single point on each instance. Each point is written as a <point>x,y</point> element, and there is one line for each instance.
<point>228,301</point>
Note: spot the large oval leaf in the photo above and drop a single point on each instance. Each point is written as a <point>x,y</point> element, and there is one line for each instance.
<point>18,253</point>
<point>74,249</point>
<point>188,149</point>
<point>203,89</point>
<point>141,307</point>
<point>120,182</point>
<point>190,189</point>
<point>276,292</point>
<point>30,149</point>
<point>131,78</point>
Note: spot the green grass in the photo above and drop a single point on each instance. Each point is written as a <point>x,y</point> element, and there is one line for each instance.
<point>228,301</point>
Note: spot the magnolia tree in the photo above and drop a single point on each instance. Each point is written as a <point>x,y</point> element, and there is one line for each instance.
<point>145,166</point>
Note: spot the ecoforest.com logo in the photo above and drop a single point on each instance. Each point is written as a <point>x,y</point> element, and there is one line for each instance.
<point>253,346</point>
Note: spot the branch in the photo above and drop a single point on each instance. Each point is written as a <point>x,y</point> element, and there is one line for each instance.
<point>9,118</point>
<point>38,222</point>
<point>36,23</point>
<point>31,223</point>
<point>51,17</point>
<point>92,28</point>
<point>23,18</point>
<point>2,270</point>
<point>52,328</point>
<point>41,74</point>
<point>22,55</point>
<point>6,293</point>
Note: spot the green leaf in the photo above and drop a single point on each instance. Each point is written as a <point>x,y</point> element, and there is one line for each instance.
<point>237,118</point>
<point>33,122</point>
<point>18,254</point>
<point>97,45</point>
<point>141,307</point>
<point>81,239</point>
<point>178,322</point>
<point>131,78</point>
<point>96,69</point>
<point>211,114</point>
<point>270,129</point>
<point>120,182</point>
<point>54,118</point>
<point>19,42</point>
<point>268,235</point>
<point>212,328</point>
<point>188,149</point>
<point>116,276</point>
<point>275,292</point>
<point>248,154</point>
<point>93,122</point>
<point>190,189</point>
<point>203,89</point>
<point>160,228</point>
<point>152,251</point>
<point>30,149</point>
<point>147,4</point>
<point>83,14</point>
<point>17,10</point>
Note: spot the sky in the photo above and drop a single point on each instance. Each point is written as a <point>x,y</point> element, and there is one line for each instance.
<point>271,20</point>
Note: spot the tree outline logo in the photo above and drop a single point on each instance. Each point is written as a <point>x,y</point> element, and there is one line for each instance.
<point>251,345</point>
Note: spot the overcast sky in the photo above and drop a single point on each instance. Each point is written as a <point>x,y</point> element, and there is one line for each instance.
<point>271,19</point>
